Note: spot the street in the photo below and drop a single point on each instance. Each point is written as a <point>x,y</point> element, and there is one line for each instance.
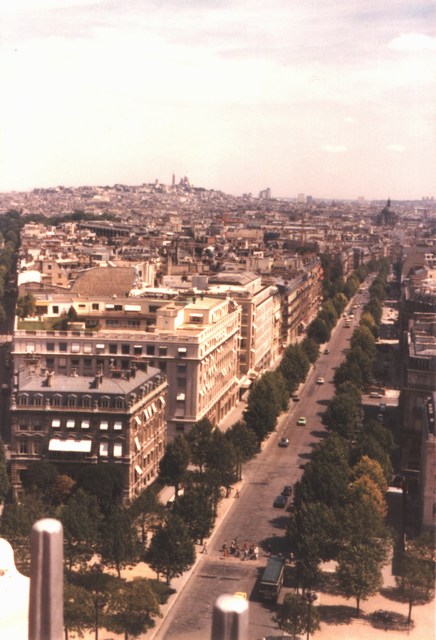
<point>252,517</point>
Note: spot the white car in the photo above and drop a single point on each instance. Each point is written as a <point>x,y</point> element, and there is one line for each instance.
<point>320,381</point>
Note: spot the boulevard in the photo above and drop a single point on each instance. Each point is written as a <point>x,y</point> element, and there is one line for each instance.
<point>252,517</point>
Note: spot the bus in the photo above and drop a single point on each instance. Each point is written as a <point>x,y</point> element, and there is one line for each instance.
<point>272,578</point>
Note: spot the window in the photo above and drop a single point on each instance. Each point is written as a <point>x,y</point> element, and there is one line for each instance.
<point>118,450</point>
<point>22,427</point>
<point>163,351</point>
<point>71,424</point>
<point>133,323</point>
<point>104,449</point>
<point>118,307</point>
<point>182,351</point>
<point>150,350</point>
<point>87,348</point>
<point>75,348</point>
<point>180,396</point>
<point>62,362</point>
<point>180,428</point>
<point>111,322</point>
<point>50,346</point>
<point>125,349</point>
<point>63,347</point>
<point>85,424</point>
<point>56,401</point>
<point>55,423</point>
<point>55,308</point>
<point>137,349</point>
<point>104,402</point>
<point>137,444</point>
<point>87,362</point>
<point>163,366</point>
<point>95,306</point>
<point>119,403</point>
<point>37,400</point>
<point>72,401</point>
<point>104,425</point>
<point>181,368</point>
<point>86,401</point>
<point>153,308</point>
<point>75,362</point>
<point>36,448</point>
<point>23,447</point>
<point>118,426</point>
<point>113,348</point>
<point>49,363</point>
<point>99,347</point>
<point>37,427</point>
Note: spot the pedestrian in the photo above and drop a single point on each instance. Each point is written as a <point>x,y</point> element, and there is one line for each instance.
<point>237,493</point>
<point>204,548</point>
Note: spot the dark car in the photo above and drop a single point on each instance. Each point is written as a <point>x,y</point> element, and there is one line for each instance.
<point>283,442</point>
<point>280,502</point>
<point>287,490</point>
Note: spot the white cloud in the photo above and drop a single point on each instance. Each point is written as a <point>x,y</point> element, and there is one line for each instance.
<point>335,148</point>
<point>396,148</point>
<point>413,42</point>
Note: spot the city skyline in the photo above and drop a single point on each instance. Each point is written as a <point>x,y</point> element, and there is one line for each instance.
<point>331,99</point>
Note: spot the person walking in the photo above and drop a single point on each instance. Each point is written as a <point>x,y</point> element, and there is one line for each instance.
<point>204,550</point>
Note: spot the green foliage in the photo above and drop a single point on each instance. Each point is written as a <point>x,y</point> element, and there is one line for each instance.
<point>293,616</point>
<point>416,582</point>
<point>351,286</point>
<point>374,307</point>
<point>265,402</point>
<point>294,366</point>
<point>244,443</point>
<point>376,442</point>
<point>118,542</point>
<point>80,518</point>
<point>311,349</point>
<point>359,571</point>
<point>4,479</point>
<point>313,530</point>
<point>363,338</point>
<point>195,508</point>
<point>41,477</point>
<point>146,512</point>
<point>221,459</point>
<point>105,482</point>
<point>25,307</point>
<point>199,439</point>
<point>175,461</point>
<point>342,415</point>
<point>131,607</point>
<point>171,550</point>
<point>78,609</point>
<point>318,331</point>
<point>329,314</point>
<point>371,468</point>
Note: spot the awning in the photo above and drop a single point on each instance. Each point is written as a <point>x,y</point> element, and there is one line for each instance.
<point>138,420</point>
<point>162,399</point>
<point>71,424</point>
<point>182,350</point>
<point>131,307</point>
<point>137,444</point>
<point>55,423</point>
<point>85,424</point>
<point>79,446</point>
<point>99,346</point>
<point>104,426</point>
<point>118,426</point>
<point>138,470</point>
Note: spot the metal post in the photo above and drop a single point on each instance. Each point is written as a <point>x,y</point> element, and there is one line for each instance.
<point>46,606</point>
<point>230,618</point>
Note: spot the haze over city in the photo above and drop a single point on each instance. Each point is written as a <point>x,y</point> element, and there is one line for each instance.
<point>333,99</point>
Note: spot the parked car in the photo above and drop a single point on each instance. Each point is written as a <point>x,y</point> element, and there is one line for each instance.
<point>280,502</point>
<point>283,442</point>
<point>320,381</point>
<point>287,490</point>
<point>302,421</point>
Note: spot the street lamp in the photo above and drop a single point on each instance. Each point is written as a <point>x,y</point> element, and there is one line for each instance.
<point>310,597</point>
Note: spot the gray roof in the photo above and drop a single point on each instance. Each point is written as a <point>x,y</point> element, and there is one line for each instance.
<point>105,281</point>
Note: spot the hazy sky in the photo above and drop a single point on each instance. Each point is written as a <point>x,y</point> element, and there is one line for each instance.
<point>324,97</point>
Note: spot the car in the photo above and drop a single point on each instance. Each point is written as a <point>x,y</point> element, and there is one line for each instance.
<point>382,406</point>
<point>280,502</point>
<point>287,490</point>
<point>326,352</point>
<point>320,381</point>
<point>302,421</point>
<point>283,442</point>
<point>375,394</point>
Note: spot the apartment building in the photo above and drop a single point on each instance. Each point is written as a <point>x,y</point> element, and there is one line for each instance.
<point>73,421</point>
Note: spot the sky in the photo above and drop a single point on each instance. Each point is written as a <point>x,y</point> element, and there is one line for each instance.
<point>334,99</point>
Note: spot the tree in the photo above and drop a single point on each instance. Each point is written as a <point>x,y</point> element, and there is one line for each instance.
<point>118,542</point>
<point>293,615</point>
<point>359,571</point>
<point>311,349</point>
<point>78,610</point>
<point>146,511</point>
<point>318,331</point>
<point>221,458</point>
<point>342,415</point>
<point>4,480</point>
<point>244,444</point>
<point>364,360</point>
<point>364,338</point>
<point>195,508</point>
<point>175,461</point>
<point>25,307</point>
<point>372,469</point>
<point>171,550</point>
<point>329,314</point>
<point>294,366</point>
<point>80,518</point>
<point>265,402</point>
<point>105,482</point>
<point>41,477</point>
<point>131,607</point>
<point>199,438</point>
<point>367,320</point>
<point>417,571</point>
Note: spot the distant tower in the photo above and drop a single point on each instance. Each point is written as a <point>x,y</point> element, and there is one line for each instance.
<point>174,180</point>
